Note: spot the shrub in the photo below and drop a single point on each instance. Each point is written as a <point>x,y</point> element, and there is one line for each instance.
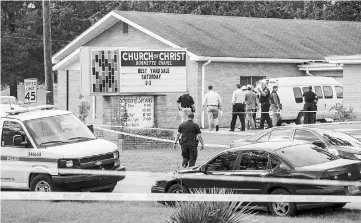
<point>211,211</point>
<point>342,114</point>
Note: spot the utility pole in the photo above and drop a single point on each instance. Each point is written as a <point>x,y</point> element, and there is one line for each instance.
<point>47,52</point>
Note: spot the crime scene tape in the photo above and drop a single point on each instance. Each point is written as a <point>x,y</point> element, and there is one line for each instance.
<point>228,177</point>
<point>153,138</point>
<point>94,196</point>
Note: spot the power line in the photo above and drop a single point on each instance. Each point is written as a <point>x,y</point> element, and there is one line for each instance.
<point>27,38</point>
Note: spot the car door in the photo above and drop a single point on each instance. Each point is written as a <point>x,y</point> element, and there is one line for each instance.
<point>252,164</point>
<point>220,166</point>
<point>14,155</point>
<point>330,101</point>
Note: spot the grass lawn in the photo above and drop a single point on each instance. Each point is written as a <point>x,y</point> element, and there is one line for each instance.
<point>139,212</point>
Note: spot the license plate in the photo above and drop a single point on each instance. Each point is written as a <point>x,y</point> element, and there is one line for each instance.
<point>353,190</point>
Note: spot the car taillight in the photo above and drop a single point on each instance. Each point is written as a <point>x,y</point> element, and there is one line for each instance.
<point>323,176</point>
<point>334,173</point>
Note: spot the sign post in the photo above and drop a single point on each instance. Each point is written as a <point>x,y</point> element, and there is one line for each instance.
<point>30,85</point>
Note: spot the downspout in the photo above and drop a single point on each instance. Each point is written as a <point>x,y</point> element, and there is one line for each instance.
<point>203,80</point>
<point>308,72</point>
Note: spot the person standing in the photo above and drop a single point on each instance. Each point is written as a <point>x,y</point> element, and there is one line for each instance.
<point>257,106</point>
<point>275,106</point>
<point>191,133</point>
<point>238,107</point>
<point>213,102</point>
<point>84,107</point>
<point>310,99</point>
<point>185,105</point>
<point>251,105</point>
<point>264,93</point>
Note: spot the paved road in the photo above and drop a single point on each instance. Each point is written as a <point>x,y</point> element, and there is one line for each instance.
<point>143,184</point>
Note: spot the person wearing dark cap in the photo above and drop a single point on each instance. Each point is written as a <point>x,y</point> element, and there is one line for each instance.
<point>310,99</point>
<point>191,133</point>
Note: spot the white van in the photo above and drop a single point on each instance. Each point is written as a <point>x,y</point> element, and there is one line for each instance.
<point>290,90</point>
<point>42,147</point>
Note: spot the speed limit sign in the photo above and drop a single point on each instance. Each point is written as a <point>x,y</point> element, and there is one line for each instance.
<point>30,90</point>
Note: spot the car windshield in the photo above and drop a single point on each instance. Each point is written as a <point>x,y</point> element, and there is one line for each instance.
<point>306,155</point>
<point>54,130</point>
<point>340,139</point>
<point>9,100</point>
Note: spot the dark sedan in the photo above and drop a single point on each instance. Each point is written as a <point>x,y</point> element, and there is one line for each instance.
<point>293,160</point>
<point>338,143</point>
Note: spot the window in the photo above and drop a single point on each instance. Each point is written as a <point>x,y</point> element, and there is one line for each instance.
<point>306,155</point>
<point>254,160</point>
<point>298,95</point>
<point>274,162</point>
<point>224,161</point>
<point>340,139</point>
<point>339,91</point>
<point>327,90</point>
<point>125,28</point>
<point>305,135</point>
<point>250,80</point>
<point>318,92</point>
<point>281,135</point>
<point>11,129</point>
<point>54,130</point>
<point>305,89</point>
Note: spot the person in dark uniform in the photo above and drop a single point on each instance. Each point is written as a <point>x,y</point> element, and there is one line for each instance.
<point>191,133</point>
<point>185,105</point>
<point>310,99</point>
<point>264,94</point>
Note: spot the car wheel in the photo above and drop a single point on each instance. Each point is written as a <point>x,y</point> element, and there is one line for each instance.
<point>42,183</point>
<point>339,205</point>
<point>300,119</point>
<point>282,209</point>
<point>178,189</point>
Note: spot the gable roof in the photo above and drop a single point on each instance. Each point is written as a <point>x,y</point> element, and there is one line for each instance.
<point>242,37</point>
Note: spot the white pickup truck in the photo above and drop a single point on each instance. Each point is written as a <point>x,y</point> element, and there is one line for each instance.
<point>40,147</point>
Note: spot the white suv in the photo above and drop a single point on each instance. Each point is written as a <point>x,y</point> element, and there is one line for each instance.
<point>41,146</point>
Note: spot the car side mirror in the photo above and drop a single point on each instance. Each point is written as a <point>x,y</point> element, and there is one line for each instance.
<point>18,141</point>
<point>319,143</point>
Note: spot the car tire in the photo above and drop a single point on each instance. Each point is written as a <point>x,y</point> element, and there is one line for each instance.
<point>300,119</point>
<point>282,209</point>
<point>339,205</point>
<point>42,183</point>
<point>176,188</point>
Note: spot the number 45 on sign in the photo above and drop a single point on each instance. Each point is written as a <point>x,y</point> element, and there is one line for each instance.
<point>30,86</point>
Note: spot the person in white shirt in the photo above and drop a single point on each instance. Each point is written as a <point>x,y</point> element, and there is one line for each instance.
<point>213,102</point>
<point>238,109</point>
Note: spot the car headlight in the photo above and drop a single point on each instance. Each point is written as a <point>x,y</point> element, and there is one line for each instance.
<point>334,152</point>
<point>358,156</point>
<point>68,163</point>
<point>116,154</point>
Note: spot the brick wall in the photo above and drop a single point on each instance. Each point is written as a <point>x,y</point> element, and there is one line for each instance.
<point>224,76</point>
<point>352,89</point>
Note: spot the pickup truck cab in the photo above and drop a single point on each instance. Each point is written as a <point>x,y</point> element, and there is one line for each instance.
<point>40,147</point>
